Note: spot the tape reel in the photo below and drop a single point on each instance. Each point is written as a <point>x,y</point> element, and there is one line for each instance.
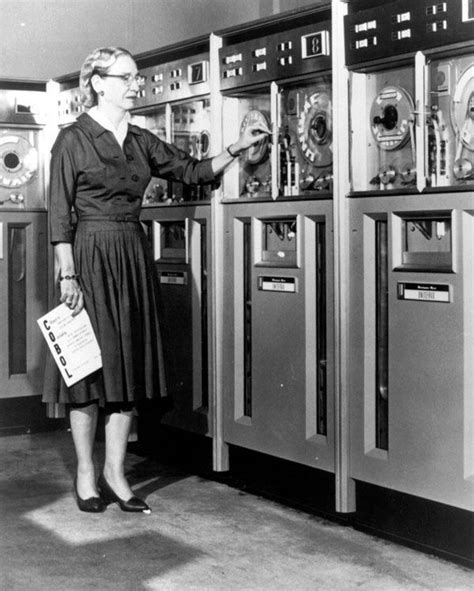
<point>18,161</point>
<point>391,117</point>
<point>204,143</point>
<point>315,129</point>
<point>462,118</point>
<point>462,108</point>
<point>259,151</point>
<point>199,144</point>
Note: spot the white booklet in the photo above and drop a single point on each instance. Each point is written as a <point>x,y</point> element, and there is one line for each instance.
<point>72,342</point>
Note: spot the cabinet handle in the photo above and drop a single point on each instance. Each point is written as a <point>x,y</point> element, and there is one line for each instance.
<point>18,253</point>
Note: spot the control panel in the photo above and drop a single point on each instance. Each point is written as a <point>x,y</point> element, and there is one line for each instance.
<point>405,26</point>
<point>274,57</point>
<point>175,80</point>
<point>70,105</point>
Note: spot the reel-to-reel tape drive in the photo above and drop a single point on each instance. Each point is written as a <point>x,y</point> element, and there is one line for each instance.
<point>255,175</point>
<point>283,80</point>
<point>302,147</point>
<point>407,136</point>
<point>19,163</point>
<point>383,112</point>
<point>21,170</point>
<point>392,127</point>
<point>450,122</point>
<point>22,118</point>
<point>306,138</point>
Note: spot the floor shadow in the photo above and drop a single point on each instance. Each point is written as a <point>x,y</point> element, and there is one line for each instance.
<point>68,549</point>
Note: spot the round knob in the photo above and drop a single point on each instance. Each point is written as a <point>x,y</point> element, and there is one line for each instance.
<point>323,182</point>
<point>389,119</point>
<point>252,185</point>
<point>387,176</point>
<point>17,198</point>
<point>462,169</point>
<point>307,182</point>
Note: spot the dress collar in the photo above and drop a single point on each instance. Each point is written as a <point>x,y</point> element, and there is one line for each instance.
<point>95,128</point>
<point>119,132</point>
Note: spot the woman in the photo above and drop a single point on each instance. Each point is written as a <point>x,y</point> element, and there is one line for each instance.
<point>101,165</point>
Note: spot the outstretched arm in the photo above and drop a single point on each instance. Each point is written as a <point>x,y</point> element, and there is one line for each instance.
<point>168,161</point>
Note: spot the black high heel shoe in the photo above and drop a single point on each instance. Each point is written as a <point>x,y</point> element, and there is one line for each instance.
<point>132,505</point>
<point>90,505</point>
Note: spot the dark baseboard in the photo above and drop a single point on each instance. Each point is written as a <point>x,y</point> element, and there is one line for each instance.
<point>26,415</point>
<point>422,524</point>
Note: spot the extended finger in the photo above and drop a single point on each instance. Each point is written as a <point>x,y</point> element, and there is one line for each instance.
<point>259,127</point>
<point>259,137</point>
<point>79,305</point>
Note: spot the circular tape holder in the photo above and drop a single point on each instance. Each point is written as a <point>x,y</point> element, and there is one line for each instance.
<point>315,129</point>
<point>390,117</point>
<point>18,161</point>
<point>259,151</point>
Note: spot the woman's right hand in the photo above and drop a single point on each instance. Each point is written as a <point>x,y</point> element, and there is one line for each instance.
<point>251,135</point>
<point>71,295</point>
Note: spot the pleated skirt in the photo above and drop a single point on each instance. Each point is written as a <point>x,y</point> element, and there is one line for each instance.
<point>119,282</point>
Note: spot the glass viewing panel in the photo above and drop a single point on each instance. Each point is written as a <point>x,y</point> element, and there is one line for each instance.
<point>254,164</point>
<point>173,240</point>
<point>383,131</point>
<point>305,138</point>
<point>157,191</point>
<point>427,243</point>
<point>190,131</point>
<point>279,241</point>
<point>450,124</point>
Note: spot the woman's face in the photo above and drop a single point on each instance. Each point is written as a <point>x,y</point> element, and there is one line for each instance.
<point>118,92</point>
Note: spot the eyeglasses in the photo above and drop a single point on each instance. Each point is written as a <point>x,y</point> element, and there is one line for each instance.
<point>127,79</point>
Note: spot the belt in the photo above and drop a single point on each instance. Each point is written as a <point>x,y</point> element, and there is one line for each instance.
<point>115,217</point>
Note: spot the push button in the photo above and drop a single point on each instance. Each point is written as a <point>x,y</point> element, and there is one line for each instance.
<point>135,177</point>
<point>129,157</point>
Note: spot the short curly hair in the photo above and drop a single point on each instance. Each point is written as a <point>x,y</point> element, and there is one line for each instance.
<point>97,62</point>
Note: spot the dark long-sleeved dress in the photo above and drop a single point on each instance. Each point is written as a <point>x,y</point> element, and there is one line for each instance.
<point>104,183</point>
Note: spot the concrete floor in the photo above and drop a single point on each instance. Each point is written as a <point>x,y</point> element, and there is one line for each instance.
<point>202,535</point>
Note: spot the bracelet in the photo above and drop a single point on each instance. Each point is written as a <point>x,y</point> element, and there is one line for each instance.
<point>69,277</point>
<point>231,153</point>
